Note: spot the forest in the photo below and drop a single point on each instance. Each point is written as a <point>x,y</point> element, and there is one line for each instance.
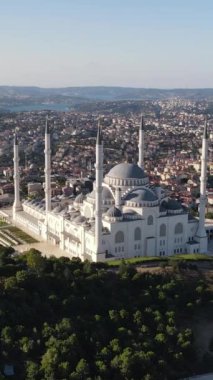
<point>63,319</point>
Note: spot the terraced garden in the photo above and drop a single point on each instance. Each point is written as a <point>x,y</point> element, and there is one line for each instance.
<point>169,259</point>
<point>12,236</point>
<point>21,235</point>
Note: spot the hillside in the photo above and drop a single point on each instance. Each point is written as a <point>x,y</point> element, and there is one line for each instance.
<point>63,319</point>
<point>105,93</point>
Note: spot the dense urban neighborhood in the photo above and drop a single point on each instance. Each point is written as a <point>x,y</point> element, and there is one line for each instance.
<point>172,147</point>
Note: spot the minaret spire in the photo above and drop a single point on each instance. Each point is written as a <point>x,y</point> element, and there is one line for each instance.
<point>201,232</point>
<point>98,191</point>
<point>47,169</point>
<point>205,132</point>
<point>99,134</point>
<point>141,143</point>
<point>47,128</point>
<point>17,206</point>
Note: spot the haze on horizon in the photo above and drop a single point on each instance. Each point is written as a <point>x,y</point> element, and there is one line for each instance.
<point>128,43</point>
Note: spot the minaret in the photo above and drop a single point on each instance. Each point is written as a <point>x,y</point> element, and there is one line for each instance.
<point>201,235</point>
<point>47,169</point>
<point>98,191</point>
<point>118,197</point>
<point>141,144</point>
<point>17,206</point>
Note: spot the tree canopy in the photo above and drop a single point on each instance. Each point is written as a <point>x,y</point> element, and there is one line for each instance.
<point>64,319</point>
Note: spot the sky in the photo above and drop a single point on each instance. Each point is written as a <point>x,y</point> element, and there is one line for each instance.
<point>128,43</point>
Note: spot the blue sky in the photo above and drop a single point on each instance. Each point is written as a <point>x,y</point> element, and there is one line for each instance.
<point>138,43</point>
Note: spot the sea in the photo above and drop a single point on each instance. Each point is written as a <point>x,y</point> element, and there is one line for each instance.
<point>37,107</point>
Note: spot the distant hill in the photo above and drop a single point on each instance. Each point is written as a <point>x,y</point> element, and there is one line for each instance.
<point>105,93</point>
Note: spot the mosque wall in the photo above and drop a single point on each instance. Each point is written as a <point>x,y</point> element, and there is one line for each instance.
<point>161,231</point>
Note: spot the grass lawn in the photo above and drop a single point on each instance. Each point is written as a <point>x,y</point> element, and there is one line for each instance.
<point>3,223</point>
<point>136,260</point>
<point>192,257</point>
<point>19,234</point>
<point>143,260</point>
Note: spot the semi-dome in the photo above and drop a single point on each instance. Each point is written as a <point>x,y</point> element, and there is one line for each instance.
<point>172,204</point>
<point>126,174</point>
<point>107,196</point>
<point>57,209</point>
<point>79,219</point>
<point>141,197</point>
<point>79,198</point>
<point>113,213</point>
<point>131,214</point>
<point>129,211</point>
<point>73,215</point>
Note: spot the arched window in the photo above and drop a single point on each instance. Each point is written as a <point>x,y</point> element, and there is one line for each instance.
<point>163,230</point>
<point>179,228</point>
<point>137,233</point>
<point>150,220</point>
<point>119,237</point>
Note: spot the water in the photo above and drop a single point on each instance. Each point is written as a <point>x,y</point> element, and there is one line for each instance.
<point>39,107</point>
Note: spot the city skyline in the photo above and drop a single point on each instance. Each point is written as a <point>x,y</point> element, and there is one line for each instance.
<point>146,44</point>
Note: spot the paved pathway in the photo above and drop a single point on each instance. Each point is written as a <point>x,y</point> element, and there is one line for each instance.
<point>45,248</point>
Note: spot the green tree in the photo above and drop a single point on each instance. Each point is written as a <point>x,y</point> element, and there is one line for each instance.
<point>10,283</point>
<point>26,344</point>
<point>22,277</point>
<point>35,260</point>
<point>82,369</point>
<point>160,338</point>
<point>64,369</point>
<point>6,255</point>
<point>32,370</point>
<point>49,363</point>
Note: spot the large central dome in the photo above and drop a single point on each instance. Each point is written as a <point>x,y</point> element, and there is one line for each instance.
<point>126,174</point>
<point>126,170</point>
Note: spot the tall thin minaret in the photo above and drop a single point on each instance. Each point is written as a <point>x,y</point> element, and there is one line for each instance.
<point>17,206</point>
<point>201,235</point>
<point>118,197</point>
<point>47,169</point>
<point>141,144</point>
<point>98,191</point>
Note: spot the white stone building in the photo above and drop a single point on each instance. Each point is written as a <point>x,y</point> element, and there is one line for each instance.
<point>122,217</point>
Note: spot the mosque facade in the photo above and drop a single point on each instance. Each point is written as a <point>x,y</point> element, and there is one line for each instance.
<point>123,217</point>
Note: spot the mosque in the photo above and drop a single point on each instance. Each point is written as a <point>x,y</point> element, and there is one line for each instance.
<point>123,217</point>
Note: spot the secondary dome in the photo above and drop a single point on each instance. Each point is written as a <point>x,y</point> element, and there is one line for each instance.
<point>130,214</point>
<point>113,214</point>
<point>79,198</point>
<point>126,174</point>
<point>107,196</point>
<point>172,206</point>
<point>141,197</point>
<point>80,219</point>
